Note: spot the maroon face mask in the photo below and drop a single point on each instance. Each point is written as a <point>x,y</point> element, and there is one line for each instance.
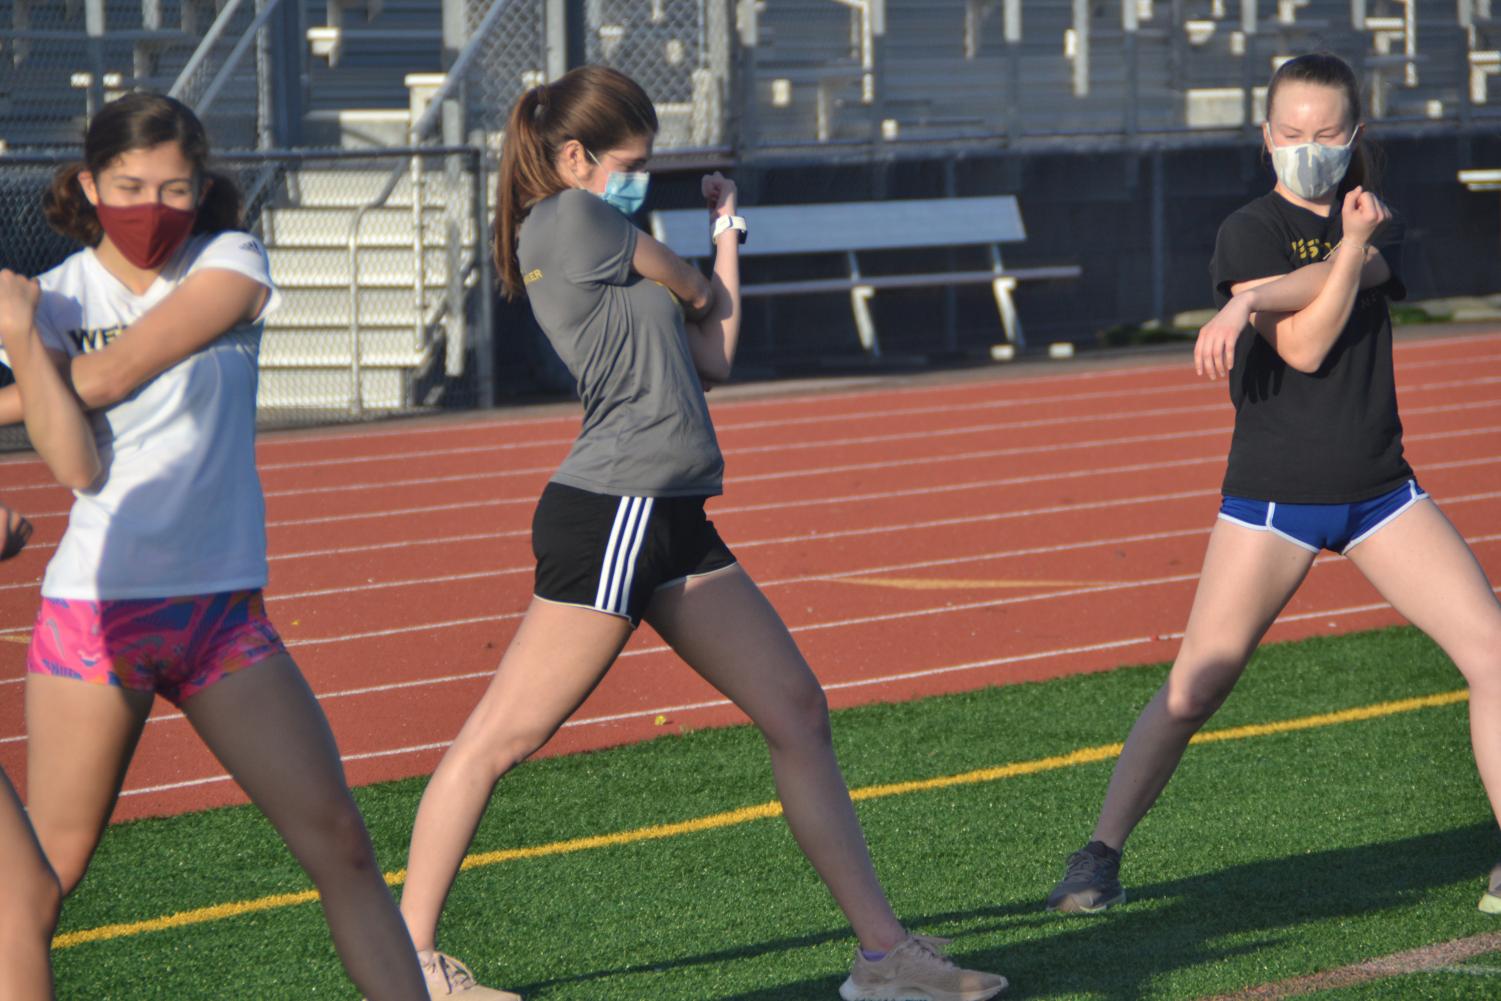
<point>146,235</point>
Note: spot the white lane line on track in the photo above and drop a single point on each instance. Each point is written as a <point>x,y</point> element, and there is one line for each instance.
<point>886,414</point>
<point>854,498</point>
<point>877,388</point>
<point>995,516</point>
<point>1323,560</point>
<point>807,473</point>
<point>885,679</point>
<point>1112,417</point>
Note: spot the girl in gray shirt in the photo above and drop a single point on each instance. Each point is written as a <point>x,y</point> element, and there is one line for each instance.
<point>620,532</point>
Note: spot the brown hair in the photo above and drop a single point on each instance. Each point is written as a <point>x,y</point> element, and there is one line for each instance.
<point>1328,70</point>
<point>140,120</point>
<point>600,107</point>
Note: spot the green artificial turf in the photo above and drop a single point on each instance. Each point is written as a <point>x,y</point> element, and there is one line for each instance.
<point>1267,858</point>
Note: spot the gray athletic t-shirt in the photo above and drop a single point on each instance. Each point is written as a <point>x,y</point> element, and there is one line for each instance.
<point>646,428</point>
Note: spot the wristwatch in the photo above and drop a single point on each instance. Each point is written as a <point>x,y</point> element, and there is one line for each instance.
<point>724,222</point>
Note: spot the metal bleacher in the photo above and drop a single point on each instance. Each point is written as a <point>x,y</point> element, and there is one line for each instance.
<point>60,58</point>
<point>362,52</point>
<point>950,69</point>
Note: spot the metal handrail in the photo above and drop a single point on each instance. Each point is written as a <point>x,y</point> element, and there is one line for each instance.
<point>210,39</point>
<point>416,134</point>
<point>457,71</point>
<point>235,55</point>
<point>419,284</point>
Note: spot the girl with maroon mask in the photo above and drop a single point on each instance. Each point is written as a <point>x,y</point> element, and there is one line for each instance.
<point>156,585</point>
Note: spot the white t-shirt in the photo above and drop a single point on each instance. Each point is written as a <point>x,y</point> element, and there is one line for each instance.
<point>179,510</point>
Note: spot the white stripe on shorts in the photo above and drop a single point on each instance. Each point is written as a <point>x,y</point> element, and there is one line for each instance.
<point>618,570</point>
<point>609,561</point>
<point>630,562</point>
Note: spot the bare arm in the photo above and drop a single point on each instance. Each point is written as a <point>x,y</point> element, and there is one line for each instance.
<point>55,421</point>
<point>197,313</point>
<point>1291,292</point>
<point>1303,338</point>
<point>716,335</point>
<point>1315,294</point>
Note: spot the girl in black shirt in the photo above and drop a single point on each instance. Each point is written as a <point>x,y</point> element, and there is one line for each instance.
<point>1303,276</point>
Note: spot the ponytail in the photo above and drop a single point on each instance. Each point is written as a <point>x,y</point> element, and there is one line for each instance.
<point>67,210</point>
<point>598,106</point>
<point>526,177</point>
<point>222,206</point>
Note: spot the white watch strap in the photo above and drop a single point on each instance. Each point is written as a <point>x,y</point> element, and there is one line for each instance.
<point>725,222</point>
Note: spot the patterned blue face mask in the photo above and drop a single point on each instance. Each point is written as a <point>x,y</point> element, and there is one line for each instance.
<point>1311,170</point>
<point>625,191</point>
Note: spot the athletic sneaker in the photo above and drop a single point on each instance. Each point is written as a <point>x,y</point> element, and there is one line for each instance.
<point>917,970</point>
<point>1091,883</point>
<point>449,978</point>
<point>1491,902</point>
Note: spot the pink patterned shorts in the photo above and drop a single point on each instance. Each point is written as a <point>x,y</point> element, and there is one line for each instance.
<point>175,647</point>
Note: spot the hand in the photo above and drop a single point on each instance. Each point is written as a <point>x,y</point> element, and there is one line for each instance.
<point>1214,351</point>
<point>719,192</point>
<point>18,299</point>
<point>1363,215</point>
<point>17,532</point>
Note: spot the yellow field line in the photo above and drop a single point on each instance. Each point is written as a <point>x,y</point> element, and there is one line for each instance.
<point>762,811</point>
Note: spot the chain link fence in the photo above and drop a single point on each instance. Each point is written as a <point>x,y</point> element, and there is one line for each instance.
<point>510,58</point>
<point>60,60</point>
<point>678,50</point>
<point>228,78</point>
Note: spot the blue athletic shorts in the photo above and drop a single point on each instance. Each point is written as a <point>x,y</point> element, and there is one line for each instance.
<point>1335,527</point>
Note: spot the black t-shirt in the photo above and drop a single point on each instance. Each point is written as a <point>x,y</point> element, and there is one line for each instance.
<point>1332,436</point>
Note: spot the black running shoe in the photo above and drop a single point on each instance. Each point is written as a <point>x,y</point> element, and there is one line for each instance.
<point>1091,883</point>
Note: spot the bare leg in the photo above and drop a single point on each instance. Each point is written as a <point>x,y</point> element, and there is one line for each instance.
<point>1420,564</point>
<point>28,906</point>
<point>80,737</point>
<point>267,728</point>
<point>1248,578</point>
<point>728,632</point>
<point>559,653</point>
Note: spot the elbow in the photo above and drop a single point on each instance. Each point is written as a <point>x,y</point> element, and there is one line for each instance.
<point>1300,349</point>
<point>1303,360</point>
<point>702,298</point>
<point>80,477</point>
<point>716,374</point>
<point>110,388</point>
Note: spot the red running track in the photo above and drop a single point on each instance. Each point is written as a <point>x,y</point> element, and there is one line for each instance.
<point>918,536</point>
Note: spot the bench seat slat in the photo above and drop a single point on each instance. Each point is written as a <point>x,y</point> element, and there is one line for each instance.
<point>815,285</point>
<point>832,228</point>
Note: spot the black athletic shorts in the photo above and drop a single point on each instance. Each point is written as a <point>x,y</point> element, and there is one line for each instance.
<point>613,553</point>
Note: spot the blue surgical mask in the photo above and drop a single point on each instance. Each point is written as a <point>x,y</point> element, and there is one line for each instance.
<point>1311,170</point>
<point>625,191</point>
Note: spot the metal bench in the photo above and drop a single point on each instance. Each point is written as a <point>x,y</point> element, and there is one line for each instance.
<point>851,227</point>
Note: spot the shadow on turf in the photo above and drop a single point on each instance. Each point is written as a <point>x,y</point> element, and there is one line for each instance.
<point>1166,927</point>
